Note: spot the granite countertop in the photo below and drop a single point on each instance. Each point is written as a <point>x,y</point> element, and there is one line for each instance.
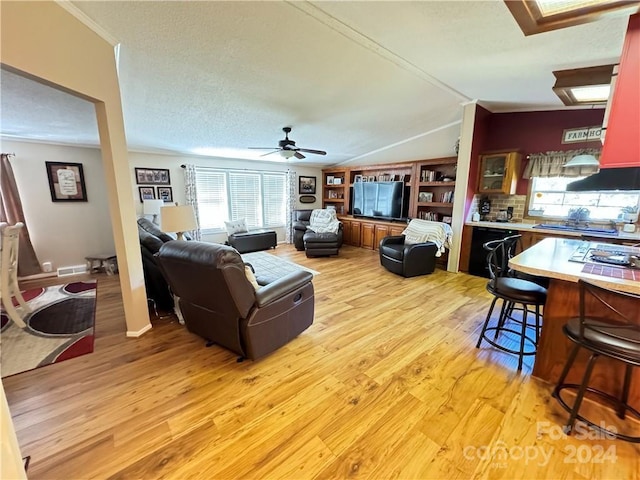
<point>528,227</point>
<point>550,258</point>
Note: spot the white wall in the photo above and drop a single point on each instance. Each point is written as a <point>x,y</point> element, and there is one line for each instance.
<point>176,173</point>
<point>62,233</point>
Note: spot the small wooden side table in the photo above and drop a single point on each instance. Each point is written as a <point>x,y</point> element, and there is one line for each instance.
<point>102,262</point>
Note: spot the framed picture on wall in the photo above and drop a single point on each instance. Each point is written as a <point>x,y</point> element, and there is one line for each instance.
<point>165,193</point>
<point>307,185</point>
<point>152,176</point>
<point>66,182</point>
<point>147,193</point>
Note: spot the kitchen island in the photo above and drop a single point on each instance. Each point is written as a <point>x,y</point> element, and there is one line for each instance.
<point>550,258</point>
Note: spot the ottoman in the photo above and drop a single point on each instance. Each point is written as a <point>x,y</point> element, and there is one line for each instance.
<point>253,240</point>
<point>321,244</point>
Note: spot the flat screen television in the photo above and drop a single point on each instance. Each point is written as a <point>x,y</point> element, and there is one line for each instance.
<point>384,200</point>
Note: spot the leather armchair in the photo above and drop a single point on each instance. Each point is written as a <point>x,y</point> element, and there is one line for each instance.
<point>219,303</point>
<point>407,260</point>
<point>300,224</point>
<point>151,239</point>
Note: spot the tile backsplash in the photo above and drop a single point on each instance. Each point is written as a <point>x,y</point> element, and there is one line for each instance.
<point>501,202</point>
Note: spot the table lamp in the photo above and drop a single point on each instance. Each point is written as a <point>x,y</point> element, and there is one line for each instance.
<point>152,207</point>
<point>178,219</point>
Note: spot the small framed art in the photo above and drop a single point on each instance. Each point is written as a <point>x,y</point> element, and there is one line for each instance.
<point>66,182</point>
<point>147,193</point>
<point>165,194</point>
<point>307,185</point>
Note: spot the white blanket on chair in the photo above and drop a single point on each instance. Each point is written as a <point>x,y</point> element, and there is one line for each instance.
<point>324,221</point>
<point>421,231</point>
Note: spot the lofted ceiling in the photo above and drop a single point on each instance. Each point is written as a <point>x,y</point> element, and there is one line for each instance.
<point>369,82</point>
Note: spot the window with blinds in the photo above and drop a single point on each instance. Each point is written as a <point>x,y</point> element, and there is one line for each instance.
<point>258,197</point>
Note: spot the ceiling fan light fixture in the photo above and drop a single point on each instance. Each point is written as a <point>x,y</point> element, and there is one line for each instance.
<point>287,153</point>
<point>582,160</point>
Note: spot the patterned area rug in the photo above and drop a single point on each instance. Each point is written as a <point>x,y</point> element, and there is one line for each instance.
<point>60,326</point>
<point>269,267</point>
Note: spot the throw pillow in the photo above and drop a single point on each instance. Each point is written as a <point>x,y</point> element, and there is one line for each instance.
<point>236,226</point>
<point>251,277</point>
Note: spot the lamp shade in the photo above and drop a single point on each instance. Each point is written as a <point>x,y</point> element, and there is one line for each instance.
<point>582,160</point>
<point>287,153</point>
<point>178,219</point>
<point>152,207</point>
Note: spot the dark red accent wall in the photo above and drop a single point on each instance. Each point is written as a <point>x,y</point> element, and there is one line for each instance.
<point>535,132</point>
<point>479,138</point>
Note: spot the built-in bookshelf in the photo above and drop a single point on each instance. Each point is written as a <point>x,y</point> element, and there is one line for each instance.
<point>432,183</point>
<point>434,189</point>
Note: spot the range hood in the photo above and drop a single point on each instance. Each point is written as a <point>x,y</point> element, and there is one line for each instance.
<point>608,179</point>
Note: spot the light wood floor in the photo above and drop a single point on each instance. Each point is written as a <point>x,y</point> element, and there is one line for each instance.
<point>387,383</point>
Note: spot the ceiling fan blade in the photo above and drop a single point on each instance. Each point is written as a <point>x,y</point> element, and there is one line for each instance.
<point>299,155</point>
<point>269,153</point>
<point>317,152</point>
<point>261,148</point>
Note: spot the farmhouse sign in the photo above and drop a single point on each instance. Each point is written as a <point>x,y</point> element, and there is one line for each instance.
<point>583,134</point>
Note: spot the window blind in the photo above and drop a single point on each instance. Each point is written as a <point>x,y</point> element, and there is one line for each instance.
<point>258,197</point>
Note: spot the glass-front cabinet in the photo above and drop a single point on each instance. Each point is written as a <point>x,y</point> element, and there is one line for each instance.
<point>499,172</point>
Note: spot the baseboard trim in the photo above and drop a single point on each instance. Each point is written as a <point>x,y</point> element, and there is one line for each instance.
<point>38,276</point>
<point>139,332</point>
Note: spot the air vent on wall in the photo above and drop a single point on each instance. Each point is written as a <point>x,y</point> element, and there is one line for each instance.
<point>72,270</point>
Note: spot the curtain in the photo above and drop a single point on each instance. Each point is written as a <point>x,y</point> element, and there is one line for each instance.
<point>11,213</point>
<point>191,194</point>
<point>550,164</point>
<point>290,200</point>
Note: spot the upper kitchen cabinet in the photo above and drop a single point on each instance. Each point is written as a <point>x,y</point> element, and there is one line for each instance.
<point>622,143</point>
<point>499,172</point>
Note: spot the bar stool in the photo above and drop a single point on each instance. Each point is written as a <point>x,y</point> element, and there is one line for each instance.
<point>512,291</point>
<point>617,337</point>
<point>9,272</point>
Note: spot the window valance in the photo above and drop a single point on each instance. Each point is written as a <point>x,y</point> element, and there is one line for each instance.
<point>551,164</point>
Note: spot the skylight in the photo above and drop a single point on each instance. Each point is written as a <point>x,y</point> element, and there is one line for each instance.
<point>584,86</point>
<point>544,15</point>
<point>595,94</point>
<point>553,7</point>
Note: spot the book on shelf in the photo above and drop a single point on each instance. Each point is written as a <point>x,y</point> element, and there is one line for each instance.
<point>446,197</point>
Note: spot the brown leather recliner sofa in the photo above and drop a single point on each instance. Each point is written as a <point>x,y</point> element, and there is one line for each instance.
<point>219,303</point>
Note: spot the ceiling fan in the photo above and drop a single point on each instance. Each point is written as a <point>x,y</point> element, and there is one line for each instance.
<point>287,148</point>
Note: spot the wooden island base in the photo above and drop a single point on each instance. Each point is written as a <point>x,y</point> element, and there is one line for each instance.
<point>554,346</point>
<point>550,258</point>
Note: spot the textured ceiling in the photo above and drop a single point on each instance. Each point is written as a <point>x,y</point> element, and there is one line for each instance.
<point>368,82</point>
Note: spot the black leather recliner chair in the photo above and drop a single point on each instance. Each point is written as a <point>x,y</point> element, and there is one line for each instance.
<point>314,244</point>
<point>219,303</point>
<point>151,239</point>
<point>407,260</point>
<point>300,224</point>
